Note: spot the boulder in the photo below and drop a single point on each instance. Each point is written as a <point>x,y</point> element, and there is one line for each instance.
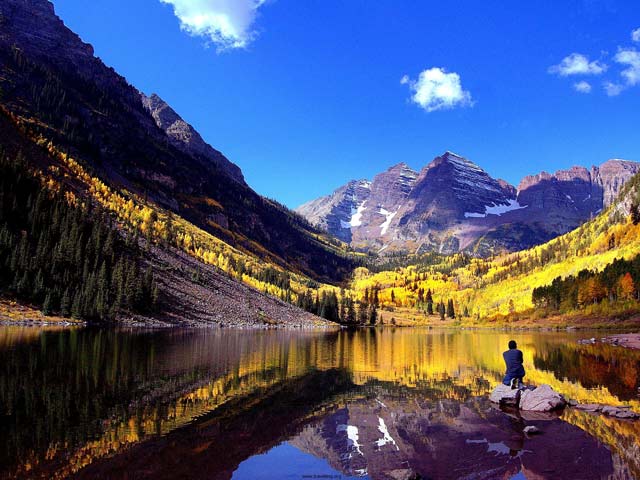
<point>503,393</point>
<point>589,407</point>
<point>619,412</point>
<point>542,399</point>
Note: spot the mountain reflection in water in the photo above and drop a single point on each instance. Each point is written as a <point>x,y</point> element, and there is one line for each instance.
<point>377,403</point>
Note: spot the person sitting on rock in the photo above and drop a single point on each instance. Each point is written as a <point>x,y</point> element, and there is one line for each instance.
<point>515,371</point>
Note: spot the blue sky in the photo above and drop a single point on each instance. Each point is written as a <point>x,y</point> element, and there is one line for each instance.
<point>305,95</point>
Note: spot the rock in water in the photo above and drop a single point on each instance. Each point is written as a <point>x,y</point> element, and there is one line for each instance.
<point>619,412</point>
<point>589,407</point>
<point>542,399</point>
<point>504,393</point>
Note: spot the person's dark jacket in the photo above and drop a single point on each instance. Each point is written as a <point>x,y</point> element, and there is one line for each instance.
<point>513,359</point>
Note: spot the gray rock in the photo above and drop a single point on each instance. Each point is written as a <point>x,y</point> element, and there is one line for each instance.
<point>589,407</point>
<point>542,399</point>
<point>504,393</point>
<point>619,412</point>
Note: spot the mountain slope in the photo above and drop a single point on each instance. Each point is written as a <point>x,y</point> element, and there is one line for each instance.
<point>485,289</point>
<point>59,91</point>
<point>454,205</point>
<point>65,267</point>
<point>184,137</point>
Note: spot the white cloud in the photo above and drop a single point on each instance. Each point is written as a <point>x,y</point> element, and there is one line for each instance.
<point>635,35</point>
<point>577,64</point>
<point>582,87</point>
<point>630,58</point>
<point>613,89</point>
<point>227,23</point>
<point>631,75</point>
<point>437,89</point>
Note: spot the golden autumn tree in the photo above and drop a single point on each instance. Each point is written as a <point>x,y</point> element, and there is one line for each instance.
<point>626,287</point>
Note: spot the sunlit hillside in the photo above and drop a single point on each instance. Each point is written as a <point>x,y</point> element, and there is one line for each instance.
<point>503,285</point>
<point>142,218</point>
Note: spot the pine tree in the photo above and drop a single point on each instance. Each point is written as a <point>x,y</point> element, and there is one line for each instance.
<point>76,307</point>
<point>363,312</point>
<point>450,310</point>
<point>429,299</point>
<point>343,306</point>
<point>47,306</point>
<point>373,315</point>
<point>65,304</point>
<point>351,312</point>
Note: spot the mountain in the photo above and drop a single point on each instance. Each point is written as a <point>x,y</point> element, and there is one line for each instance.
<point>184,137</point>
<point>454,205</point>
<point>57,91</point>
<point>335,212</point>
<point>346,209</point>
<point>588,276</point>
<point>200,246</point>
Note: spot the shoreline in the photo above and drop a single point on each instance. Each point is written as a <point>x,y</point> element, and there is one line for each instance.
<point>625,340</point>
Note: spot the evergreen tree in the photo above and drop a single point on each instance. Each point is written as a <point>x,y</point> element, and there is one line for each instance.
<point>47,306</point>
<point>65,304</point>
<point>351,312</point>
<point>450,310</point>
<point>429,299</point>
<point>65,258</point>
<point>373,315</point>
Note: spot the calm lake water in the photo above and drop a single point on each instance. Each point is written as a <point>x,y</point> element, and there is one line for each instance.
<point>373,403</point>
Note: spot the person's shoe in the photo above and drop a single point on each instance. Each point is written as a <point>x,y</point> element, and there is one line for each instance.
<point>514,382</point>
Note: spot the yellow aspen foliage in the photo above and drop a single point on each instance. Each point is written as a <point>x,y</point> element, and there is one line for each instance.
<point>627,288</point>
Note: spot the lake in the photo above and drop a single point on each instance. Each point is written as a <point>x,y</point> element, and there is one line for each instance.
<point>386,403</point>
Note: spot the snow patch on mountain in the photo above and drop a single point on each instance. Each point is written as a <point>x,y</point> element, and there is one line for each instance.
<point>356,217</point>
<point>389,216</point>
<point>500,209</point>
<point>352,436</point>
<point>386,437</point>
<point>496,209</point>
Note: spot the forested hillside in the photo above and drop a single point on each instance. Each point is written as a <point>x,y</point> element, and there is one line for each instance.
<point>64,255</point>
<point>62,95</point>
<point>592,270</point>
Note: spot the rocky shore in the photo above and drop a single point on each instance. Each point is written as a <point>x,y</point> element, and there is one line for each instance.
<point>546,399</point>
<point>193,294</point>
<point>627,340</point>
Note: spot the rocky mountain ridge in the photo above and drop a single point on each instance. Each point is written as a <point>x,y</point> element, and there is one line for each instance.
<point>184,137</point>
<point>454,205</point>
<point>54,86</point>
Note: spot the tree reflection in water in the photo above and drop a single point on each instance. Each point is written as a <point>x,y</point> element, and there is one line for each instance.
<point>382,402</point>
